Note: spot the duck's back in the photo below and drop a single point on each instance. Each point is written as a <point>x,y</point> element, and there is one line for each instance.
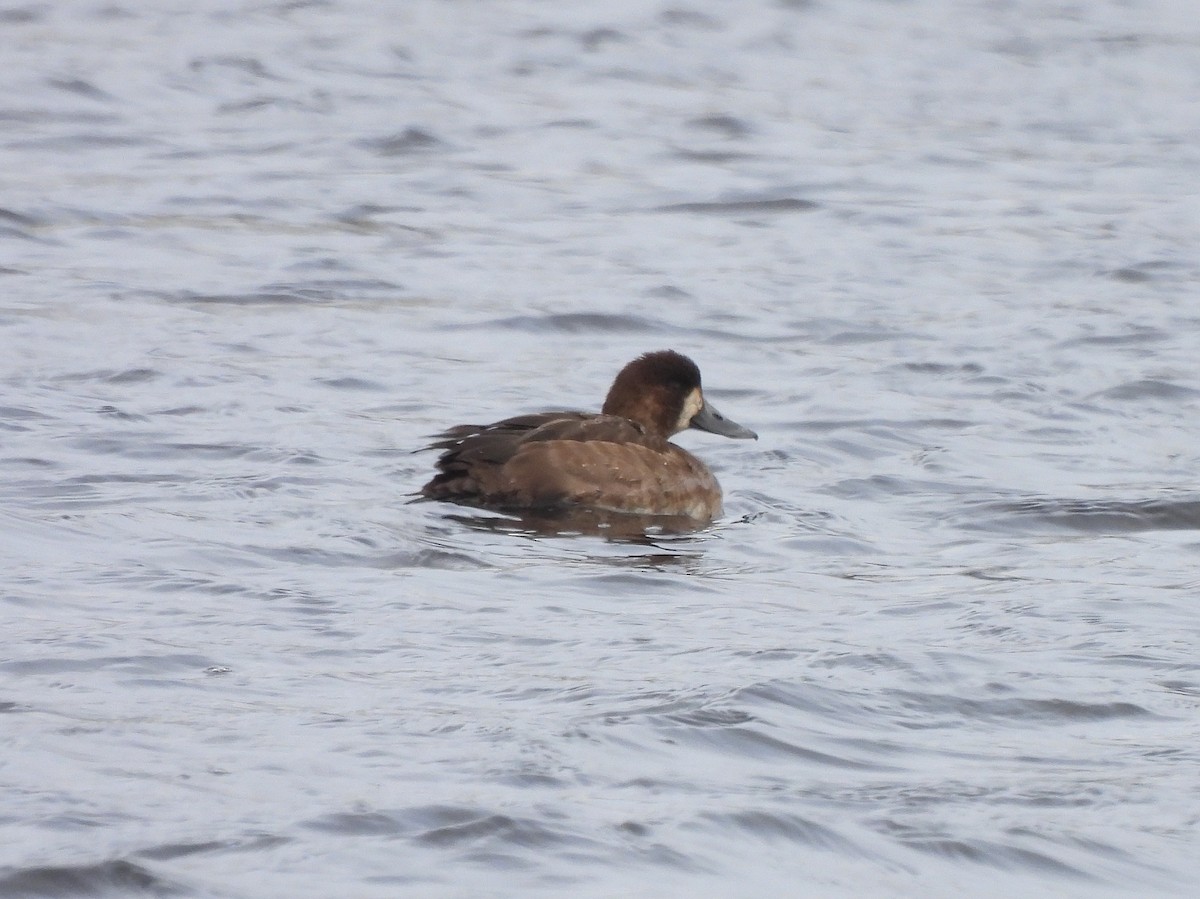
<point>563,459</point>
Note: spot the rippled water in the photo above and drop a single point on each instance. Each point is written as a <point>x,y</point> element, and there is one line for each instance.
<point>941,256</point>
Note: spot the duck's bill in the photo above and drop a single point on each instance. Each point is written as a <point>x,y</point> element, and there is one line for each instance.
<point>709,419</point>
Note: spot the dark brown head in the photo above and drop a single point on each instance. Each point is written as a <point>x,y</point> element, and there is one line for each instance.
<point>661,391</point>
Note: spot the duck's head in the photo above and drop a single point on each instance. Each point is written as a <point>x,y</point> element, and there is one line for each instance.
<point>661,391</point>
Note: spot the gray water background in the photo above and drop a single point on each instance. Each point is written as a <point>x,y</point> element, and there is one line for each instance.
<point>942,256</point>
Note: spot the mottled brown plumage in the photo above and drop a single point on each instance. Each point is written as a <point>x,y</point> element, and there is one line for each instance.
<point>619,460</point>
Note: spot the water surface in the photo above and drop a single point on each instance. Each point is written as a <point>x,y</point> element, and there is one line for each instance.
<point>941,256</point>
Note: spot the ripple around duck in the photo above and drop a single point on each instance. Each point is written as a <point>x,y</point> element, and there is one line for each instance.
<point>111,878</point>
<point>811,698</point>
<point>279,297</point>
<point>496,829</point>
<point>772,205</point>
<point>348,383</point>
<point>359,824</point>
<point>927,708</point>
<point>571,323</point>
<point>1099,516</point>
<point>745,742</point>
<point>168,851</point>
<point>134,376</point>
<point>1143,272</point>
<point>141,665</point>
<point>409,142</point>
<point>137,447</point>
<point>997,855</point>
<point>448,827</point>
<point>384,561</point>
<point>1147,389</point>
<point>21,413</point>
<point>785,826</point>
<point>1137,336</point>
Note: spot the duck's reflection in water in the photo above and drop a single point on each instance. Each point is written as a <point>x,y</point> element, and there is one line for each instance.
<point>622,527</point>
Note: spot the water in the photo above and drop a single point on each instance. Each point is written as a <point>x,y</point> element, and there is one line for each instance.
<point>940,256</point>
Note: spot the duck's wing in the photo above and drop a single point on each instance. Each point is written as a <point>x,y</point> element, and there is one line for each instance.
<point>515,427</point>
<point>583,428</point>
<point>469,469</point>
<point>544,459</point>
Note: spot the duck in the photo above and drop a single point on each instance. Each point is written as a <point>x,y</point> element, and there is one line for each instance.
<point>619,460</point>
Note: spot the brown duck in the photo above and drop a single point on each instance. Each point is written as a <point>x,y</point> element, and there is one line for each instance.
<point>619,460</point>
